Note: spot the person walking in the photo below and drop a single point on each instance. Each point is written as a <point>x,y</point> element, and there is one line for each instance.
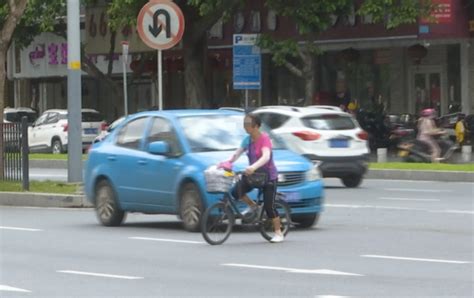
<point>427,130</point>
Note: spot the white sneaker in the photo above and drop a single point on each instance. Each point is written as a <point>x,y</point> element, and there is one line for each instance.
<point>277,238</point>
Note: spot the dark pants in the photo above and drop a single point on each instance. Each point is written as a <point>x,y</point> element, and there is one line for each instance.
<point>269,193</point>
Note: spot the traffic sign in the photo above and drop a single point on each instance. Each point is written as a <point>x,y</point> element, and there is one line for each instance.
<point>160,24</point>
<point>247,62</point>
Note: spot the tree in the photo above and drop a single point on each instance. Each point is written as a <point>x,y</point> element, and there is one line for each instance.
<point>10,14</point>
<point>314,16</point>
<point>200,16</point>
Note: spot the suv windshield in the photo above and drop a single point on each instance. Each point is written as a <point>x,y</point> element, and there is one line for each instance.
<point>218,132</point>
<point>16,116</point>
<point>329,122</point>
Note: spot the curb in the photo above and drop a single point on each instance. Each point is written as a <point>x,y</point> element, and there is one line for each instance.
<point>32,199</point>
<point>420,175</point>
<point>49,163</point>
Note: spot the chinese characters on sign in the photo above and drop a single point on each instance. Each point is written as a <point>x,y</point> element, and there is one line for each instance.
<point>442,14</point>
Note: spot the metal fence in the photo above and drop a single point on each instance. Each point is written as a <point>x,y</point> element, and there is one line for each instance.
<point>15,151</point>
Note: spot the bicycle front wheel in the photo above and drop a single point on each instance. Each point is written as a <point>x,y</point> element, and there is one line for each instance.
<point>266,224</point>
<point>216,223</point>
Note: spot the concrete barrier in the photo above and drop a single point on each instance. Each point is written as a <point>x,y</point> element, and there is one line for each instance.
<point>466,153</point>
<point>381,154</point>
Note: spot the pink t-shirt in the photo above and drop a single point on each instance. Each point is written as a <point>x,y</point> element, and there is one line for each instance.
<point>254,152</point>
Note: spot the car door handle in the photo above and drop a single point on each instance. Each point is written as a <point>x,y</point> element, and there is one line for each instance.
<point>142,162</point>
<point>112,157</point>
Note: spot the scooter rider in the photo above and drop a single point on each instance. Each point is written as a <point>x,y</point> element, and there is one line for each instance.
<point>426,130</point>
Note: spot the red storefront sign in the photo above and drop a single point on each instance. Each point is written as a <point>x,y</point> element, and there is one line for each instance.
<point>442,14</point>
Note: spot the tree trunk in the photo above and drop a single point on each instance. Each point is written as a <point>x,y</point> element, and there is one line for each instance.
<point>194,75</point>
<point>16,9</point>
<point>309,77</point>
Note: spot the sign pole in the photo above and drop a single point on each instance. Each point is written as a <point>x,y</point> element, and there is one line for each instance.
<point>246,99</point>
<point>124,63</point>
<point>160,81</point>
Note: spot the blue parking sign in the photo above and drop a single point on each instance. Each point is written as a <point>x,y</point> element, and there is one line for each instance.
<point>247,62</point>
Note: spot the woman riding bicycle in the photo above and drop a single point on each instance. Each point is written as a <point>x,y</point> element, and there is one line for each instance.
<point>259,151</point>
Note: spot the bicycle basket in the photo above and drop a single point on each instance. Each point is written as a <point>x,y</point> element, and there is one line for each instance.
<point>218,180</point>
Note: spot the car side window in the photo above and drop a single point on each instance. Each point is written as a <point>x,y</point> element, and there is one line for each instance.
<point>273,120</point>
<point>41,119</point>
<point>162,130</point>
<point>52,118</point>
<point>131,134</point>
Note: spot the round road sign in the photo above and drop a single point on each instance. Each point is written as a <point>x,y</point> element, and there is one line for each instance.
<point>160,24</point>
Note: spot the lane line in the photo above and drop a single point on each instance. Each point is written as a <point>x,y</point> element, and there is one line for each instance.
<point>398,208</point>
<point>417,190</point>
<point>167,240</point>
<point>408,199</point>
<point>454,211</point>
<point>20,229</point>
<point>12,289</point>
<point>293,270</point>
<point>415,259</point>
<point>99,274</point>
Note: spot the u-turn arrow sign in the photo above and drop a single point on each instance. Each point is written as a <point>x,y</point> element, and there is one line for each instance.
<point>160,24</point>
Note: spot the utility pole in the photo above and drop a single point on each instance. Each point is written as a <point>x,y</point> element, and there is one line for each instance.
<point>74,94</point>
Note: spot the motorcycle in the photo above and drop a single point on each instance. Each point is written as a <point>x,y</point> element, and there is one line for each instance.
<point>418,151</point>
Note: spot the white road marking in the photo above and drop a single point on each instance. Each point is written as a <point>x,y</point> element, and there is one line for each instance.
<point>398,208</point>
<point>12,289</point>
<point>415,259</point>
<point>417,190</point>
<point>453,211</point>
<point>167,240</point>
<point>99,274</point>
<point>293,270</point>
<point>408,199</point>
<point>20,229</point>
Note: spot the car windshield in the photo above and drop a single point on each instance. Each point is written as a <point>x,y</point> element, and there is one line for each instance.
<point>218,132</point>
<point>329,122</point>
<point>16,116</point>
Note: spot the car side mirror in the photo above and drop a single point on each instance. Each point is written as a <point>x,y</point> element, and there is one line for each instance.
<point>159,148</point>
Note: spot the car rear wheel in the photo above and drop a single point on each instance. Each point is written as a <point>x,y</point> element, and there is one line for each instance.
<point>190,208</point>
<point>56,146</point>
<point>306,221</point>
<point>106,206</point>
<point>352,181</point>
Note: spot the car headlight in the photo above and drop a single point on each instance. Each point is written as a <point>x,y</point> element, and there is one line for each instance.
<point>313,174</point>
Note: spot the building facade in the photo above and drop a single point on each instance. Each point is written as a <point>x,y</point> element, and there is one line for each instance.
<point>427,64</point>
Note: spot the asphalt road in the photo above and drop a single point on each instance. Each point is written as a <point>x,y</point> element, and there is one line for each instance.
<point>387,238</point>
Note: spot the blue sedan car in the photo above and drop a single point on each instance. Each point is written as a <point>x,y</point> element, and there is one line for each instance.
<point>154,163</point>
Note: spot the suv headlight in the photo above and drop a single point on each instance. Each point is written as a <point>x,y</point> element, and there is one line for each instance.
<point>313,174</point>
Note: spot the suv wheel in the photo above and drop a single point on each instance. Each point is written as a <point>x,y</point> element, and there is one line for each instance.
<point>190,207</point>
<point>352,181</point>
<point>56,146</point>
<point>306,221</point>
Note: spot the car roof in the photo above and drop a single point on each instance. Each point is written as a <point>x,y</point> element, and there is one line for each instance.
<point>298,111</point>
<point>191,112</point>
<point>19,109</point>
<point>64,111</point>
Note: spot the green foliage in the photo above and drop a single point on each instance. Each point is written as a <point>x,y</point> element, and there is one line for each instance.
<point>394,13</point>
<point>39,16</point>
<point>41,186</point>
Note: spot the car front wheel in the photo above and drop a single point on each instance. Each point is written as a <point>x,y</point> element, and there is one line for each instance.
<point>106,206</point>
<point>190,209</point>
<point>306,221</point>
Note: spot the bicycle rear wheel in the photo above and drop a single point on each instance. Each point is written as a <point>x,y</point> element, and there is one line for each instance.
<point>266,224</point>
<point>216,223</point>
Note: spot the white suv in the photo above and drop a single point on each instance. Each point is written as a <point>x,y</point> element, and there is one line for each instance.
<point>329,137</point>
<point>50,131</point>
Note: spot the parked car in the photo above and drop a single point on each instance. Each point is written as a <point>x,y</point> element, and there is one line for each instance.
<point>330,137</point>
<point>12,134</point>
<point>110,128</point>
<point>14,115</point>
<point>154,163</point>
<point>50,131</point>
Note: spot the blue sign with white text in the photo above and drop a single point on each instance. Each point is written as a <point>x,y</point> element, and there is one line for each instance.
<point>247,62</point>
